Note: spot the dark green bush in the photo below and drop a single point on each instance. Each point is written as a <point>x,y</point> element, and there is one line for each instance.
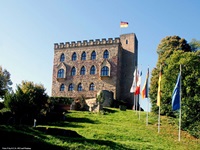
<point>61,100</point>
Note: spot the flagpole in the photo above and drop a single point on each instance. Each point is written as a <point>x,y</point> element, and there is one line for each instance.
<point>139,105</point>
<point>136,99</point>
<point>179,132</point>
<point>159,107</point>
<point>159,120</point>
<point>147,111</point>
<point>135,91</point>
<point>147,118</point>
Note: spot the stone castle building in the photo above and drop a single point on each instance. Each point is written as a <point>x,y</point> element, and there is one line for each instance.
<point>86,67</point>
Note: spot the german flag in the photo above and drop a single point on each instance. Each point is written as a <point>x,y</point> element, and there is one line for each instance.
<point>123,24</point>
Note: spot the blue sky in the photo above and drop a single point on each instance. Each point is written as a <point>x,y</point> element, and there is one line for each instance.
<point>29,29</point>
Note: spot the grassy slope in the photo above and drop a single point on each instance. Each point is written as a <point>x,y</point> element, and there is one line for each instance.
<point>114,130</point>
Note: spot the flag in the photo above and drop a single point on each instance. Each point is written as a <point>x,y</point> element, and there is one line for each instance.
<point>159,93</point>
<point>176,95</point>
<point>137,91</point>
<point>133,87</point>
<point>144,92</point>
<point>123,24</point>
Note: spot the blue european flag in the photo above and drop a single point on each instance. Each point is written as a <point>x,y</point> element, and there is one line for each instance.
<point>176,94</point>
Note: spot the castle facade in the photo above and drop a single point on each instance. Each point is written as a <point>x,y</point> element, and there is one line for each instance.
<point>86,67</point>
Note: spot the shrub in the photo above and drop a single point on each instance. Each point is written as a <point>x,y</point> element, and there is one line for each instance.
<point>61,100</point>
<point>80,103</point>
<point>101,98</point>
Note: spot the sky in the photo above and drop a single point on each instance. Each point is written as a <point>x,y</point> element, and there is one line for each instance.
<point>29,29</point>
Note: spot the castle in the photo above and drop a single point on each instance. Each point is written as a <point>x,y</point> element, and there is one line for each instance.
<point>86,67</point>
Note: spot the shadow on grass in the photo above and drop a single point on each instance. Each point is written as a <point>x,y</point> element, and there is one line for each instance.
<point>71,136</point>
<point>34,138</point>
<point>58,132</point>
<point>81,120</point>
<point>98,144</point>
<point>108,110</point>
<point>16,140</point>
<point>64,124</point>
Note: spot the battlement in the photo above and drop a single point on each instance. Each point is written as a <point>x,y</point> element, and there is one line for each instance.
<point>86,43</point>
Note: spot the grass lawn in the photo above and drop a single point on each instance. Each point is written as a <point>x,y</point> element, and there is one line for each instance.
<point>113,130</point>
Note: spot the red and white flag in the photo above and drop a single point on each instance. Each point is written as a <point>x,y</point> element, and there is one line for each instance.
<point>137,91</point>
<point>135,79</point>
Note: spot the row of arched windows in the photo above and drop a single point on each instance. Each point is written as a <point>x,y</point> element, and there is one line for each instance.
<point>104,71</point>
<point>83,56</point>
<point>83,70</point>
<point>79,87</point>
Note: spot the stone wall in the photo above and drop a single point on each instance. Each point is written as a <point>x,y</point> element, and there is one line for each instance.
<point>121,62</point>
<point>101,83</point>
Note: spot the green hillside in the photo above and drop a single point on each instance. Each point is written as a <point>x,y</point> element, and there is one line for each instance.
<point>113,129</point>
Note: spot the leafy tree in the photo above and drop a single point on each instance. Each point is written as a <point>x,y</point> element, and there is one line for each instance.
<point>190,87</point>
<point>29,99</point>
<point>195,45</point>
<point>5,82</point>
<point>170,58</point>
<point>166,48</point>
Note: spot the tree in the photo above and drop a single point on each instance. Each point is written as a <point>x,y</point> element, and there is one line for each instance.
<point>190,87</point>
<point>166,48</point>
<point>195,45</point>
<point>29,99</point>
<point>171,55</point>
<point>5,82</point>
<point>170,44</point>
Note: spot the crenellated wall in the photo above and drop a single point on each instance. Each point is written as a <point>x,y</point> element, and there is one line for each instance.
<point>86,43</point>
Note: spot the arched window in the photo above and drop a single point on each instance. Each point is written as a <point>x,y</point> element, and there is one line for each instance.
<point>60,73</point>
<point>106,54</point>
<point>62,57</point>
<point>91,87</point>
<point>93,55</point>
<point>93,70</point>
<point>105,71</point>
<point>82,71</point>
<point>73,71</point>
<point>62,87</point>
<point>70,88</point>
<point>83,56</point>
<point>80,88</point>
<point>74,57</point>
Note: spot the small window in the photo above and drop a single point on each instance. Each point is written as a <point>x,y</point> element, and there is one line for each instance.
<point>73,71</point>
<point>82,71</point>
<point>71,88</point>
<point>62,58</point>
<point>126,41</point>
<point>91,87</point>
<point>74,57</point>
<point>93,70</point>
<point>60,73</point>
<point>83,56</point>
<point>93,55</point>
<point>62,87</point>
<point>105,71</point>
<point>80,87</point>
<point>106,54</point>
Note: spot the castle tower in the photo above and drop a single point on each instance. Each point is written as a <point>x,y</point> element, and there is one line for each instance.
<point>86,67</point>
<point>129,61</point>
